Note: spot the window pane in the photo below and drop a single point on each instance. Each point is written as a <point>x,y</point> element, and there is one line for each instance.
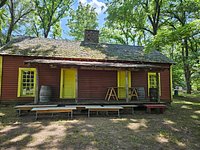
<point>152,81</point>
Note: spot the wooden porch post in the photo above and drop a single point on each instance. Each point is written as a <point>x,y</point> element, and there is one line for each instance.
<point>158,86</point>
<point>127,99</point>
<point>36,99</point>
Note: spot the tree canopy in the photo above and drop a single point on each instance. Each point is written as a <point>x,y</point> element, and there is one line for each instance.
<point>170,26</point>
<point>83,18</point>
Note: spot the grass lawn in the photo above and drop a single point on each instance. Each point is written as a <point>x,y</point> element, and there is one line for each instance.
<point>177,128</point>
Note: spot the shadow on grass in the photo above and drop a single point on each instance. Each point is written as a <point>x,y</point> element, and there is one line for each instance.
<point>175,129</point>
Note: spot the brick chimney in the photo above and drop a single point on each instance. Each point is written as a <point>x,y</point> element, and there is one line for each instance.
<point>91,36</point>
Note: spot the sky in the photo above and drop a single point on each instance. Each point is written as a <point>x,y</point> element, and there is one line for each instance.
<point>97,4</point>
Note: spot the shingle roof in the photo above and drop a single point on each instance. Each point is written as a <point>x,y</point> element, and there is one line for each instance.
<point>31,46</point>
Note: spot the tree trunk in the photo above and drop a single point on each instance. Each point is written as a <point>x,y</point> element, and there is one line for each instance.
<point>46,33</point>
<point>11,24</point>
<point>187,71</point>
<point>9,33</point>
<point>188,78</point>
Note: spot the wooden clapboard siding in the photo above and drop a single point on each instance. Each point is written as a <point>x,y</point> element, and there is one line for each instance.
<point>50,77</point>
<point>11,65</point>
<point>93,84</point>
<point>165,85</point>
<point>140,79</point>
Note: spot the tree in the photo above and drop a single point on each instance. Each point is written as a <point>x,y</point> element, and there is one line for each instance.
<point>83,18</point>
<point>121,20</point>
<point>135,20</point>
<point>2,3</point>
<point>2,19</point>
<point>186,37</point>
<point>47,16</point>
<point>183,15</point>
<point>16,12</point>
<point>172,24</point>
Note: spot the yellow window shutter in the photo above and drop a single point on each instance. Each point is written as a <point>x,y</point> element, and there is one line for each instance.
<point>61,83</point>
<point>159,84</point>
<point>129,78</point>
<point>121,77</point>
<point>19,83</point>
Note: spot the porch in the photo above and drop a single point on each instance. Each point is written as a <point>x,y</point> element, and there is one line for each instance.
<point>101,102</point>
<point>85,82</point>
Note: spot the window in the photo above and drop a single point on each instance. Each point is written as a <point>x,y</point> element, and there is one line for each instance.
<point>152,82</point>
<point>26,82</point>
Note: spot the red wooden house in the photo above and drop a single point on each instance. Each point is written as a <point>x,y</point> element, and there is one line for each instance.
<point>80,71</point>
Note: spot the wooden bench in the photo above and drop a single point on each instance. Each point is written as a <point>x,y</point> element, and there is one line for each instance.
<point>21,108</point>
<point>130,106</point>
<point>161,107</point>
<point>103,108</point>
<point>52,110</point>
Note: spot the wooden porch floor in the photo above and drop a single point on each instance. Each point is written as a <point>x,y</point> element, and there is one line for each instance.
<point>101,102</point>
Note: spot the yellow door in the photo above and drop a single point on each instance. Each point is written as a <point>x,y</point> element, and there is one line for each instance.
<point>121,76</point>
<point>68,83</point>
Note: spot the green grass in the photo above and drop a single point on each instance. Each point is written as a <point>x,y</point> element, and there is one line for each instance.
<point>177,128</point>
<point>195,95</point>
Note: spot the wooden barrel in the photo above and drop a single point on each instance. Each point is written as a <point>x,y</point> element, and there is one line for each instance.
<point>141,93</point>
<point>45,93</point>
<point>153,93</point>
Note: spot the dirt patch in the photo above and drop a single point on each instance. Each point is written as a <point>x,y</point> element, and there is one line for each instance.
<point>177,128</point>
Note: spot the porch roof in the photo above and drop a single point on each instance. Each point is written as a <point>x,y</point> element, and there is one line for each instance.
<point>92,64</point>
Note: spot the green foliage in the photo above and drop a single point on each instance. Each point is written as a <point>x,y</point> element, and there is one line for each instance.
<point>170,26</point>
<point>56,30</point>
<point>2,3</point>
<point>114,35</point>
<point>47,14</point>
<point>179,32</point>
<point>160,24</point>
<point>122,19</point>
<point>136,21</point>
<point>15,13</point>
<point>33,18</point>
<point>2,18</point>
<point>2,25</point>
<point>167,37</point>
<point>196,73</point>
<point>83,18</point>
